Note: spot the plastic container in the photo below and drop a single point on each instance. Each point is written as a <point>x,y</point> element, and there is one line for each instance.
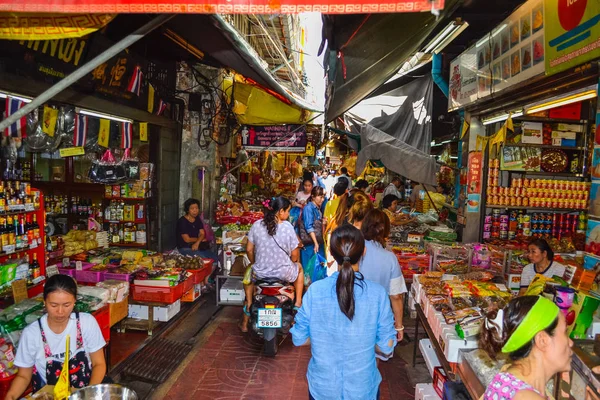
<point>103,318</point>
<point>199,275</point>
<point>188,284</point>
<point>5,385</point>
<point>153,294</point>
<point>89,276</point>
<point>71,271</point>
<point>117,277</point>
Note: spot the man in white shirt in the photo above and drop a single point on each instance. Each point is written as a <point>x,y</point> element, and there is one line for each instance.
<point>395,187</point>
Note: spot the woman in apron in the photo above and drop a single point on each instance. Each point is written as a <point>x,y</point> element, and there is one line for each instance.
<point>41,349</point>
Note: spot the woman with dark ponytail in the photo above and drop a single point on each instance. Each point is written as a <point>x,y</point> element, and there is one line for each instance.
<point>272,249</point>
<point>533,332</point>
<point>340,313</point>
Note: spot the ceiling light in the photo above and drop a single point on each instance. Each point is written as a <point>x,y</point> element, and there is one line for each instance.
<point>501,117</point>
<point>23,99</point>
<point>102,115</point>
<point>449,33</point>
<point>572,97</point>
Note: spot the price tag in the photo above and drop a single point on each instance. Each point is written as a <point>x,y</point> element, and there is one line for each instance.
<point>19,289</point>
<point>66,262</point>
<point>412,238</point>
<point>9,249</point>
<point>2,209</point>
<point>51,270</point>
<point>33,244</point>
<point>29,207</point>
<point>78,266</point>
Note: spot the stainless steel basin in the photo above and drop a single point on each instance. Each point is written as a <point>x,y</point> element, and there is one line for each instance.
<point>104,392</point>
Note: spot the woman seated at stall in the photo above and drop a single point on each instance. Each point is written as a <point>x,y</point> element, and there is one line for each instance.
<point>41,350</point>
<point>533,333</point>
<point>191,237</point>
<point>542,262</point>
<point>389,205</point>
<point>272,249</point>
<point>381,266</point>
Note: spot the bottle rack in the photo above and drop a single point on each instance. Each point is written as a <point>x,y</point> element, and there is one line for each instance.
<point>137,220</point>
<point>38,248</point>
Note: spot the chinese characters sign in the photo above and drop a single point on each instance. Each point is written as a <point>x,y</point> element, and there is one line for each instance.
<point>221,6</point>
<point>474,173</point>
<point>284,138</point>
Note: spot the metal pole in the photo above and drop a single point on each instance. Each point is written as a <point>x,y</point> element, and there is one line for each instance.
<point>86,69</point>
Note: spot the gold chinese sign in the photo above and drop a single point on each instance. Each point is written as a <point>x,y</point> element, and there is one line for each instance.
<point>34,26</point>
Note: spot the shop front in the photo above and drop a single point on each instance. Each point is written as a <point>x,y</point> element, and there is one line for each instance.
<point>530,136</point>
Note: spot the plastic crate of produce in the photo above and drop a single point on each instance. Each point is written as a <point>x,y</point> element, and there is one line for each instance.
<point>153,294</point>
<point>199,275</point>
<point>89,276</point>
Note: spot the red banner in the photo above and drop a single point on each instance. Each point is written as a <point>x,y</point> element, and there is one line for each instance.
<point>220,6</point>
<point>474,172</point>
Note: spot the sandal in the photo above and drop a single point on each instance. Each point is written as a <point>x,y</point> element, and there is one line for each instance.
<point>243,330</point>
<point>245,309</point>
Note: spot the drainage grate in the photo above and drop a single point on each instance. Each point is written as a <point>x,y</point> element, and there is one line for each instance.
<point>156,361</point>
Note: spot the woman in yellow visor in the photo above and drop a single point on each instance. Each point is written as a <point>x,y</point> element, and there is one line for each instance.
<point>533,333</point>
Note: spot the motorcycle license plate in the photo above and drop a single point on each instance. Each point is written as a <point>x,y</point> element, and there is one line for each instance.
<point>269,318</point>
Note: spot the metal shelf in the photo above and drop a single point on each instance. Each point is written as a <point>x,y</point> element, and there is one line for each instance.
<point>566,210</point>
<point>544,173</point>
<point>546,146</point>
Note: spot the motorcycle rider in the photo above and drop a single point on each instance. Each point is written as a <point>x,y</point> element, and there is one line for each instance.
<point>273,250</point>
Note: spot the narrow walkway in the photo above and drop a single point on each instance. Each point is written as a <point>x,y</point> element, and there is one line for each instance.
<point>227,365</point>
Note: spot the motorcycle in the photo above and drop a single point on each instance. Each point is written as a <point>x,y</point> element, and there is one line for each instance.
<point>272,312</point>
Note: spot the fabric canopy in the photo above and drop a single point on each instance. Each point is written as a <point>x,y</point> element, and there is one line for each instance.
<point>221,6</point>
<point>396,155</point>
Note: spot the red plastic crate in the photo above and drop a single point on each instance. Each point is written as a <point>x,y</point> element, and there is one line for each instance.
<point>5,385</point>
<point>188,284</point>
<point>200,274</point>
<point>153,294</point>
<point>103,318</point>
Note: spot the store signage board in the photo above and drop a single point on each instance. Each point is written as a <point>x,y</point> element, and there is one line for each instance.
<point>283,138</point>
<point>19,289</point>
<point>221,6</point>
<point>510,54</point>
<point>572,34</point>
<point>474,172</point>
<point>72,151</point>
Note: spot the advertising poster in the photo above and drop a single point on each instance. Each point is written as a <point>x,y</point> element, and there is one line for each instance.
<point>595,200</point>
<point>517,158</point>
<point>474,172</point>
<point>511,53</point>
<point>572,33</point>
<point>473,203</point>
<point>592,240</point>
<point>595,171</point>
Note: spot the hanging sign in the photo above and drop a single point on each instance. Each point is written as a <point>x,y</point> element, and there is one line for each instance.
<point>474,172</point>
<point>222,6</point>
<point>284,138</point>
<point>72,151</point>
<point>510,54</point>
<point>38,26</point>
<point>572,33</point>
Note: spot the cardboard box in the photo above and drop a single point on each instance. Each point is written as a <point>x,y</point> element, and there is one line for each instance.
<point>232,291</point>
<point>118,311</point>
<point>425,391</point>
<point>162,314</point>
<point>439,379</point>
<point>564,135</point>
<point>192,294</point>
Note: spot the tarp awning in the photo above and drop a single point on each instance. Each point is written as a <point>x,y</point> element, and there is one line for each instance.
<point>396,155</point>
<point>363,52</point>
<point>220,6</point>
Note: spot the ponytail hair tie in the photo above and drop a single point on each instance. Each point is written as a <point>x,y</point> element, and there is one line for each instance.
<point>346,258</point>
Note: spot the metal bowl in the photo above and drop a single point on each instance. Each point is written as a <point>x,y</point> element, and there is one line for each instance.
<point>104,392</point>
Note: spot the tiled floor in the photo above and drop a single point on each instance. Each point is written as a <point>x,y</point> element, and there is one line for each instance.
<point>230,366</point>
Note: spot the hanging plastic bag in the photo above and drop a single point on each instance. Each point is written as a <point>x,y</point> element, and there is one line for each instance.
<point>131,166</point>
<point>315,270</point>
<point>106,170</point>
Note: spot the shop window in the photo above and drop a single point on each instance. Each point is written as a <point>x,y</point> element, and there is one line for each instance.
<point>49,167</point>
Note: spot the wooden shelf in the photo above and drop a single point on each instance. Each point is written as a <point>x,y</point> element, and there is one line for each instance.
<point>545,209</point>
<point>127,198</point>
<point>136,245</point>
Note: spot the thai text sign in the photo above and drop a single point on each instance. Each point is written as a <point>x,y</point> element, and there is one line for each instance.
<point>285,138</point>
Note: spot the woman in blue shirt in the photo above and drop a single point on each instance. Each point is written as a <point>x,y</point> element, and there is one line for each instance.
<point>311,226</point>
<point>345,319</point>
<point>381,265</point>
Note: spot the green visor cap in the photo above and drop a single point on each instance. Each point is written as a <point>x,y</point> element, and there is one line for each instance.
<point>542,315</point>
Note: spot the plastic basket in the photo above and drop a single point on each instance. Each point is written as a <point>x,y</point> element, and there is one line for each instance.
<point>117,277</point>
<point>103,318</point>
<point>153,294</point>
<point>199,275</point>
<point>188,284</point>
<point>89,276</point>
